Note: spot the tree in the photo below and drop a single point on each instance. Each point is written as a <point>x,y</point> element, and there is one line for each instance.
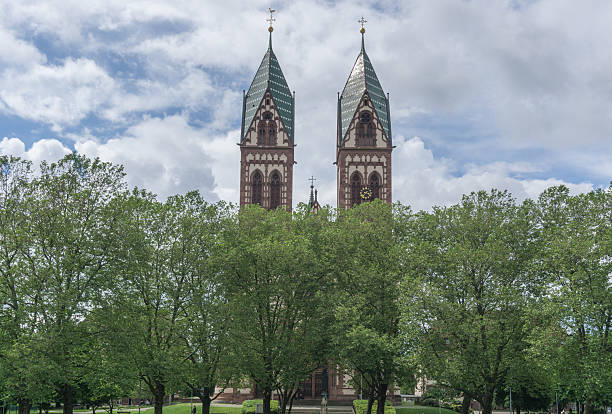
<point>19,358</point>
<point>69,236</point>
<point>146,311</point>
<point>209,360</point>
<point>576,258</point>
<point>368,248</point>
<point>276,292</point>
<point>469,290</point>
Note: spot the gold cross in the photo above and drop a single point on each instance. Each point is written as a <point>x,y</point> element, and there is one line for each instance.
<point>363,21</point>
<point>271,19</point>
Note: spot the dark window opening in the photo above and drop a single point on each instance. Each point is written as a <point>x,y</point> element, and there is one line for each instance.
<point>267,101</point>
<point>375,186</point>
<point>355,188</point>
<point>366,131</point>
<point>256,188</point>
<point>271,133</point>
<point>275,190</point>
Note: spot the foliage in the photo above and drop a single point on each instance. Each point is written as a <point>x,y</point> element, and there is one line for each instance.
<point>468,305</point>
<point>276,289</point>
<point>361,407</point>
<point>576,257</point>
<point>368,250</point>
<point>103,289</point>
<point>250,406</point>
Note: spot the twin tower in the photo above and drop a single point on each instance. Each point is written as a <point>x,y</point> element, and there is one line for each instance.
<point>363,144</point>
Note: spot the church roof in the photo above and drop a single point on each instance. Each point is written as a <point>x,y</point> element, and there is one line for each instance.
<point>363,80</point>
<point>270,77</point>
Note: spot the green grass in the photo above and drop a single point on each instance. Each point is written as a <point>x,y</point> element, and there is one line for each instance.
<point>171,409</point>
<point>184,409</point>
<point>418,409</point>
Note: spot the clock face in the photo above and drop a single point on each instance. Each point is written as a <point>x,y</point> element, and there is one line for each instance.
<point>365,117</point>
<point>365,193</point>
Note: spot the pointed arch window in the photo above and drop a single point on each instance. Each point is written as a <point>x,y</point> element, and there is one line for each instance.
<point>275,190</point>
<point>256,188</point>
<point>261,133</point>
<point>271,133</point>
<point>375,185</point>
<point>355,188</point>
<point>266,130</point>
<point>366,131</point>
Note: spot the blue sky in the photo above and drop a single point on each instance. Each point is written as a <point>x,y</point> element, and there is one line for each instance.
<point>506,94</point>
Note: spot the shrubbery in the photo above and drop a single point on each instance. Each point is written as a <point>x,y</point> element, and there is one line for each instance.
<point>454,405</point>
<point>361,407</point>
<point>250,406</point>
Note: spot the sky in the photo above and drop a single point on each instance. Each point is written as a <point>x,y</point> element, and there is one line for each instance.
<point>512,94</point>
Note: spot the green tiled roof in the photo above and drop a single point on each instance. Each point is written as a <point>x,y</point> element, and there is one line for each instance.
<point>269,76</point>
<point>363,80</point>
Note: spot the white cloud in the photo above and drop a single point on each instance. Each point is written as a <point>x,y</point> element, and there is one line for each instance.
<point>44,149</point>
<point>421,180</point>
<point>536,76</point>
<point>58,94</point>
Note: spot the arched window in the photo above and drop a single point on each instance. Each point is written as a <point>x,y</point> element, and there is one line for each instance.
<point>261,133</point>
<point>366,131</point>
<point>271,133</point>
<point>275,190</point>
<point>355,188</point>
<point>266,130</point>
<point>375,185</point>
<point>256,188</point>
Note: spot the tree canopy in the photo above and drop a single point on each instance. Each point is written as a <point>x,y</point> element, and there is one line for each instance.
<point>104,290</point>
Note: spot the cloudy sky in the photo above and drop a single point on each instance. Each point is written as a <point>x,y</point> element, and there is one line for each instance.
<point>512,94</point>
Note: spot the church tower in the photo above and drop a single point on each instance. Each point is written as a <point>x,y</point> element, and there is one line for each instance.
<point>266,138</point>
<point>363,154</point>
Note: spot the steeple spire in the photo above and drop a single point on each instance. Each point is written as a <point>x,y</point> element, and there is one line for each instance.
<point>362,80</point>
<point>270,28</point>
<point>269,77</point>
<point>363,21</point>
<point>312,196</point>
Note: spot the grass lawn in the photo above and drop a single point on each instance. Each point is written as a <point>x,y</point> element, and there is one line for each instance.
<point>184,409</point>
<point>417,409</point>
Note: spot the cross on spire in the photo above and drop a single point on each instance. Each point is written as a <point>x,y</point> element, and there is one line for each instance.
<point>312,180</point>
<point>271,19</point>
<point>363,21</point>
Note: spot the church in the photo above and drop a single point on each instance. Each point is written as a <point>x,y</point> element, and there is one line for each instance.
<point>363,136</point>
<point>363,161</point>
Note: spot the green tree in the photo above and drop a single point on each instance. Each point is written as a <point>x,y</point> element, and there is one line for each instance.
<point>276,290</point>
<point>576,258</point>
<point>209,360</point>
<point>146,312</point>
<point>469,291</point>
<point>69,236</point>
<point>368,248</point>
<point>18,356</point>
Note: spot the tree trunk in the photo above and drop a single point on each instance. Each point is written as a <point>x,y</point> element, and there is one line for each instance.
<point>205,398</point>
<point>283,400</point>
<point>159,394</point>
<point>267,395</point>
<point>588,407</point>
<point>370,403</point>
<point>466,403</point>
<point>382,398</point>
<point>487,404</point>
<point>24,406</point>
<point>67,398</point>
